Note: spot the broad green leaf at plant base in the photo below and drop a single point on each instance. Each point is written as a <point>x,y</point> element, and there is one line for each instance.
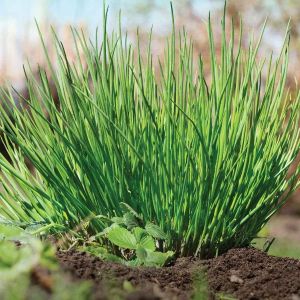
<point>121,237</point>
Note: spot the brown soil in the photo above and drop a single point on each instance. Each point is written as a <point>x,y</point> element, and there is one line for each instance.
<point>173,282</point>
<point>241,273</point>
<point>252,274</point>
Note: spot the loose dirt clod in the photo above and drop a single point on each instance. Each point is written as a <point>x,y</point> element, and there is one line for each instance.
<point>242,273</point>
<point>236,279</point>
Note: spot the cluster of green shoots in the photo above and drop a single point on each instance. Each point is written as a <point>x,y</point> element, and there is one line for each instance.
<point>205,159</point>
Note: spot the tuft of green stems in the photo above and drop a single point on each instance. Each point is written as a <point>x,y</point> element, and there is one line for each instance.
<point>205,160</point>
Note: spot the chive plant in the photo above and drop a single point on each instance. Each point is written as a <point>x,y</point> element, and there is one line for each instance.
<point>206,160</point>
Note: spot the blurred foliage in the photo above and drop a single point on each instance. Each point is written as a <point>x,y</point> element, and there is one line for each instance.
<point>280,247</point>
<point>21,262</point>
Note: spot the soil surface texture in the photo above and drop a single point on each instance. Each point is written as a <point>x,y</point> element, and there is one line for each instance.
<point>239,274</point>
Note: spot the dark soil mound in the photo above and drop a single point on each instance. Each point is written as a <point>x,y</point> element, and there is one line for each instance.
<point>173,282</point>
<point>252,274</point>
<point>241,273</point>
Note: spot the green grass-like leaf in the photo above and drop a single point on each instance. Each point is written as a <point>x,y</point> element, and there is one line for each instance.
<point>205,160</point>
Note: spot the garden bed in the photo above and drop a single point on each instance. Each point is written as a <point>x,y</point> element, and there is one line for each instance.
<point>238,274</point>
